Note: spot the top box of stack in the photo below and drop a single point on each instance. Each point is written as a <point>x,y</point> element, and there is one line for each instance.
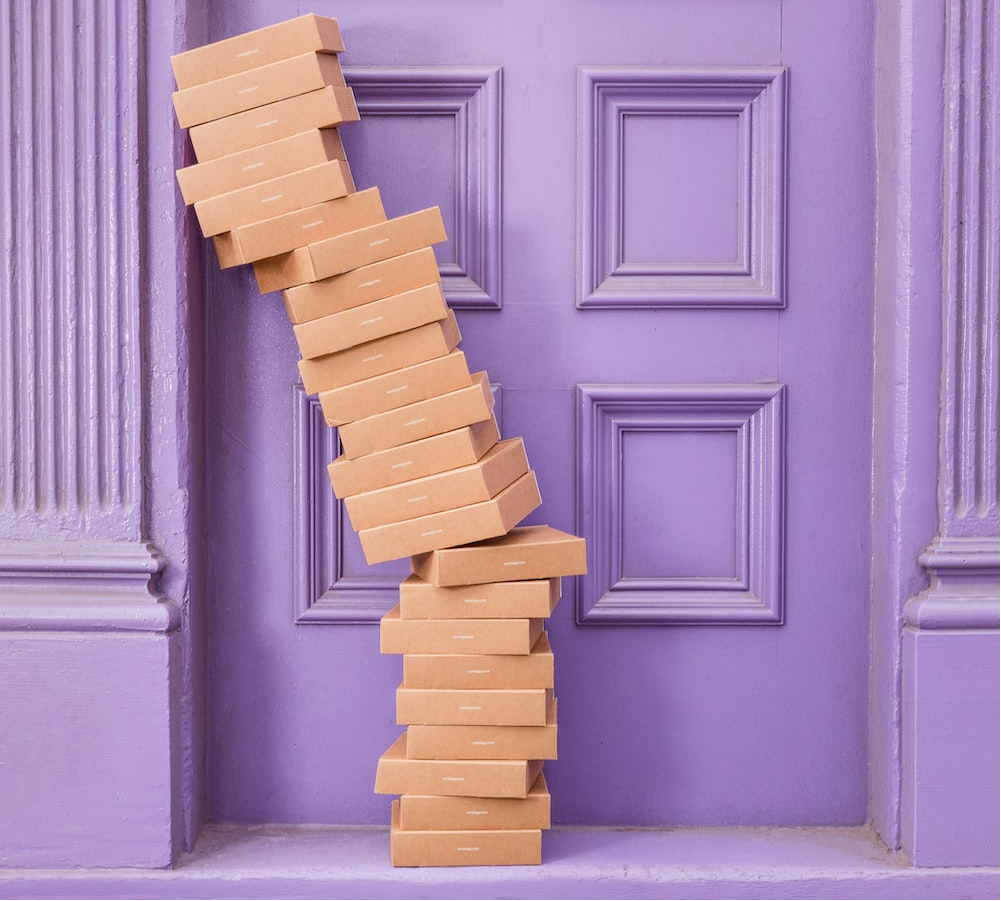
<point>305,34</point>
<point>525,552</point>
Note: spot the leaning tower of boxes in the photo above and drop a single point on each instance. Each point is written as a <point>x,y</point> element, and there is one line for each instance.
<point>423,471</point>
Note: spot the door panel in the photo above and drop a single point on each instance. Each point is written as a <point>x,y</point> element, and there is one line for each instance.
<point>660,249</point>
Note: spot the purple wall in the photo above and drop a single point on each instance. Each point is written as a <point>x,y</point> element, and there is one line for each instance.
<point>103,639</point>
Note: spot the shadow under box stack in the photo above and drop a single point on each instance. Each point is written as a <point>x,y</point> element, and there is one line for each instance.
<point>423,470</point>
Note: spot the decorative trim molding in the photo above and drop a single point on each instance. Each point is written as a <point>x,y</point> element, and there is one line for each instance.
<point>757,98</point>
<point>964,587</point>
<point>970,372</point>
<point>756,415</point>
<point>70,365</point>
<point>82,586</point>
<point>963,561</point>
<point>472,96</point>
<point>322,593</point>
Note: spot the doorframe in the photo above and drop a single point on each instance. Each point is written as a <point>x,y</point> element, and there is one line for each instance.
<point>914,645</point>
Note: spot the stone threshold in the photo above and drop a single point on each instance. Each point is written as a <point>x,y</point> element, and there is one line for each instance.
<point>335,862</point>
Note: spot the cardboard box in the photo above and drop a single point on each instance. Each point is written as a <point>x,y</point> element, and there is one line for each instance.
<point>453,527</point>
<point>395,774</point>
<point>480,670</point>
<point>414,460</point>
<point>528,552</point>
<point>398,313</point>
<point>432,742</point>
<point>438,414</point>
<point>256,48</point>
<point>256,87</point>
<point>479,848</point>
<point>480,481</point>
<point>249,167</point>
<point>277,234</point>
<point>536,598</point>
<point>395,389</point>
<point>422,812</point>
<point>446,636</point>
<point>426,342</point>
<point>473,707</point>
<point>362,285</point>
<point>267,199</point>
<point>332,256</point>
<point>323,108</point>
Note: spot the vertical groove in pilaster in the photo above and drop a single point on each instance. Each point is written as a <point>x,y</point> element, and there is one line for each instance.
<point>971,351</point>
<point>70,374</point>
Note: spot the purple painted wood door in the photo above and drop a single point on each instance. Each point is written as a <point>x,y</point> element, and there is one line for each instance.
<point>660,221</point>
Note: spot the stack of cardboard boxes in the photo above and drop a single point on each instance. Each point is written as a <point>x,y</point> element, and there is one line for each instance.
<point>423,472</point>
<point>476,698</point>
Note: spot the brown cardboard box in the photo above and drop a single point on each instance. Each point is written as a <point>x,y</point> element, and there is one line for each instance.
<point>332,256</point>
<point>470,848</point>
<point>380,356</point>
<point>249,167</point>
<point>266,199</point>
<point>528,552</point>
<point>438,414</point>
<point>422,812</point>
<point>397,313</point>
<point>256,87</point>
<point>431,742</point>
<point>414,460</point>
<point>396,775</point>
<point>480,481</point>
<point>322,108</point>
<point>256,48</point>
<point>465,637</point>
<point>473,707</point>
<point>277,234</point>
<point>395,389</point>
<point>481,670</point>
<point>487,600</point>
<point>362,285</point>
<point>453,527</point>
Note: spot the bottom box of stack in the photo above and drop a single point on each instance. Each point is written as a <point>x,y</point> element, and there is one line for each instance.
<point>464,813</point>
<point>463,847</point>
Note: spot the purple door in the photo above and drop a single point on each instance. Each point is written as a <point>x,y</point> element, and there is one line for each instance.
<point>661,251</point>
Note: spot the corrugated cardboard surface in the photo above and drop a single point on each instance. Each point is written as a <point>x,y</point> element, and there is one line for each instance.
<point>267,199</point>
<point>256,87</point>
<point>200,181</point>
<point>323,108</point>
<point>414,460</point>
<point>396,389</point>
<point>434,742</point>
<point>255,48</point>
<point>453,527</point>
<point>480,481</point>
<point>438,414</point>
<point>443,636</point>
<point>484,600</point>
<point>511,847</point>
<point>361,285</point>
<point>380,356</point>
<point>442,812</point>
<point>344,252</point>
<point>441,669</point>
<point>280,234</point>
<point>526,552</point>
<point>473,707</point>
<point>396,774</point>
<point>397,313</point>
